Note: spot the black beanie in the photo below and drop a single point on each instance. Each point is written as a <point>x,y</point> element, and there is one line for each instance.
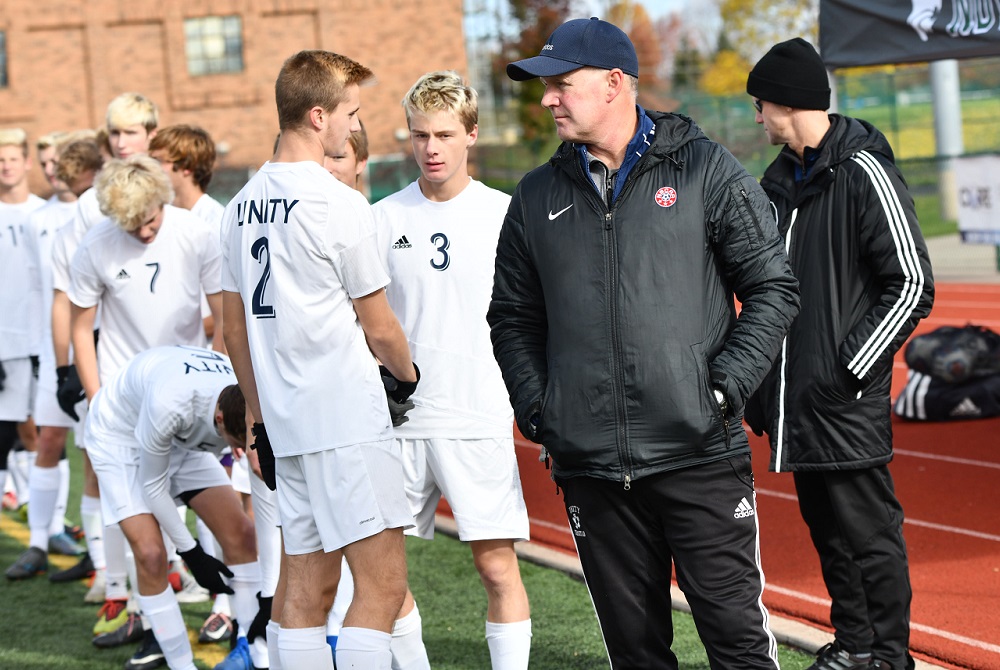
<point>791,74</point>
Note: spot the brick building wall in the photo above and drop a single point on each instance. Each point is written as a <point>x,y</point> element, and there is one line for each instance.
<point>67,58</point>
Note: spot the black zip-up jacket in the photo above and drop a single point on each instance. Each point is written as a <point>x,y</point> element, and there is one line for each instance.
<point>611,326</point>
<point>856,248</point>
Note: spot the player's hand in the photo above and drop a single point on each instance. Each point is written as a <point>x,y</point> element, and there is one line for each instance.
<point>265,455</point>
<point>69,389</point>
<point>207,570</point>
<point>259,626</point>
<point>395,389</point>
<point>398,394</point>
<point>35,364</point>
<point>3,376</point>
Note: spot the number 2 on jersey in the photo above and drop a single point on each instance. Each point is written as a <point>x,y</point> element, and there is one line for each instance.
<point>261,254</point>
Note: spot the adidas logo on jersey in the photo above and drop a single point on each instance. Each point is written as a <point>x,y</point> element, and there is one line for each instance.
<point>966,408</point>
<point>123,275</point>
<point>402,243</point>
<point>743,510</point>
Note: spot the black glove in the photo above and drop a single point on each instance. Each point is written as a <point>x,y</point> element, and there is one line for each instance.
<point>397,410</point>
<point>259,626</point>
<point>206,569</point>
<point>35,364</point>
<point>69,390</point>
<point>3,376</point>
<point>265,455</point>
<point>395,389</point>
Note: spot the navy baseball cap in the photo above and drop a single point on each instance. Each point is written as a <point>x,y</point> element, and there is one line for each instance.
<point>579,43</point>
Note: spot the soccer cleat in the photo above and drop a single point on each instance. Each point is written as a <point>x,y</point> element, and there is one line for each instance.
<point>190,591</point>
<point>128,632</point>
<point>31,562</point>
<point>110,617</point>
<point>149,655</point>
<point>238,658</point>
<point>218,627</point>
<point>82,570</point>
<point>73,530</point>
<point>98,588</point>
<point>64,545</point>
<point>834,657</point>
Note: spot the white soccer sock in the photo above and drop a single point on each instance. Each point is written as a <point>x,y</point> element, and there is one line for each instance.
<point>245,583</point>
<point>58,523</point>
<point>345,594</point>
<point>265,521</point>
<point>167,625</point>
<point>307,648</point>
<point>93,529</point>
<point>273,633</point>
<point>114,554</point>
<point>407,645</point>
<point>44,485</point>
<point>509,643</point>
<point>20,463</point>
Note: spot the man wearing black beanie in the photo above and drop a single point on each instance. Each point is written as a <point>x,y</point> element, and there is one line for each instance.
<point>855,246</point>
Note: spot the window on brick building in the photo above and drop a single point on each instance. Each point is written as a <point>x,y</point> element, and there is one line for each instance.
<point>214,44</point>
<point>3,59</point>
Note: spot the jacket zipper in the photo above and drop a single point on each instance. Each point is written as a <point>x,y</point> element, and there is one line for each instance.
<point>780,453</point>
<point>753,215</point>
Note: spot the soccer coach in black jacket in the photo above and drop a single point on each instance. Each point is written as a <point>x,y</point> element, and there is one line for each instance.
<point>855,246</point>
<point>614,325</point>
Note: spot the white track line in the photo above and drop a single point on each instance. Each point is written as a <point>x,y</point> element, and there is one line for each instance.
<point>954,637</point>
<point>949,459</point>
<point>914,522</point>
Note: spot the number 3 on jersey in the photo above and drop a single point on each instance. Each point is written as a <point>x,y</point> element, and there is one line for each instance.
<point>441,241</point>
<point>261,254</point>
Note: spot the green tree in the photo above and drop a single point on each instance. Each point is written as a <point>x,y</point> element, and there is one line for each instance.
<point>752,26</point>
<point>535,20</point>
<point>688,65</point>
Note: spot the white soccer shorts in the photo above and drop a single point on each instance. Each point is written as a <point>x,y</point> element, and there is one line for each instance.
<point>332,498</point>
<point>478,478</point>
<point>18,394</point>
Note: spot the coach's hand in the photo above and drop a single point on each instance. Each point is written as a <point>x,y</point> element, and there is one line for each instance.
<point>259,626</point>
<point>207,570</point>
<point>69,389</point>
<point>265,455</point>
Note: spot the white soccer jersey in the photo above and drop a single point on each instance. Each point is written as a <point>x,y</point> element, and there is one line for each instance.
<point>20,282</point>
<point>209,209</point>
<point>298,246</point>
<point>87,214</point>
<point>149,293</point>
<point>162,402</point>
<point>44,224</point>
<point>440,256</point>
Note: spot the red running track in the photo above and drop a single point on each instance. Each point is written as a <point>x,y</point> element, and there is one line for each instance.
<point>948,479</point>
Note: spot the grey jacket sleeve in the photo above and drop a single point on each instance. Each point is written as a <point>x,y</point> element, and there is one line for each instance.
<point>518,326</point>
<point>752,260</point>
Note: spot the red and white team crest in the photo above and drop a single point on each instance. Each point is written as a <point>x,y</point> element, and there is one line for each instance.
<point>666,196</point>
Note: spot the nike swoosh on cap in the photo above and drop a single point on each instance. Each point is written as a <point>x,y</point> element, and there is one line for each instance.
<point>552,217</point>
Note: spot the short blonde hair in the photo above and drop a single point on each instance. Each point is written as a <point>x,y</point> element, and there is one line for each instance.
<point>129,109</point>
<point>49,140</point>
<point>127,189</point>
<point>14,137</point>
<point>446,91</point>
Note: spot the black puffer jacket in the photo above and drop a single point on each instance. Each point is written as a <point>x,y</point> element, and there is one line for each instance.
<point>615,324</point>
<point>855,246</point>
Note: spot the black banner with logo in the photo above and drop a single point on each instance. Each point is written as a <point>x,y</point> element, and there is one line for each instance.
<point>876,32</point>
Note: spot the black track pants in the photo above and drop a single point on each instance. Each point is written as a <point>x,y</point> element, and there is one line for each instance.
<point>856,524</point>
<point>702,520</point>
